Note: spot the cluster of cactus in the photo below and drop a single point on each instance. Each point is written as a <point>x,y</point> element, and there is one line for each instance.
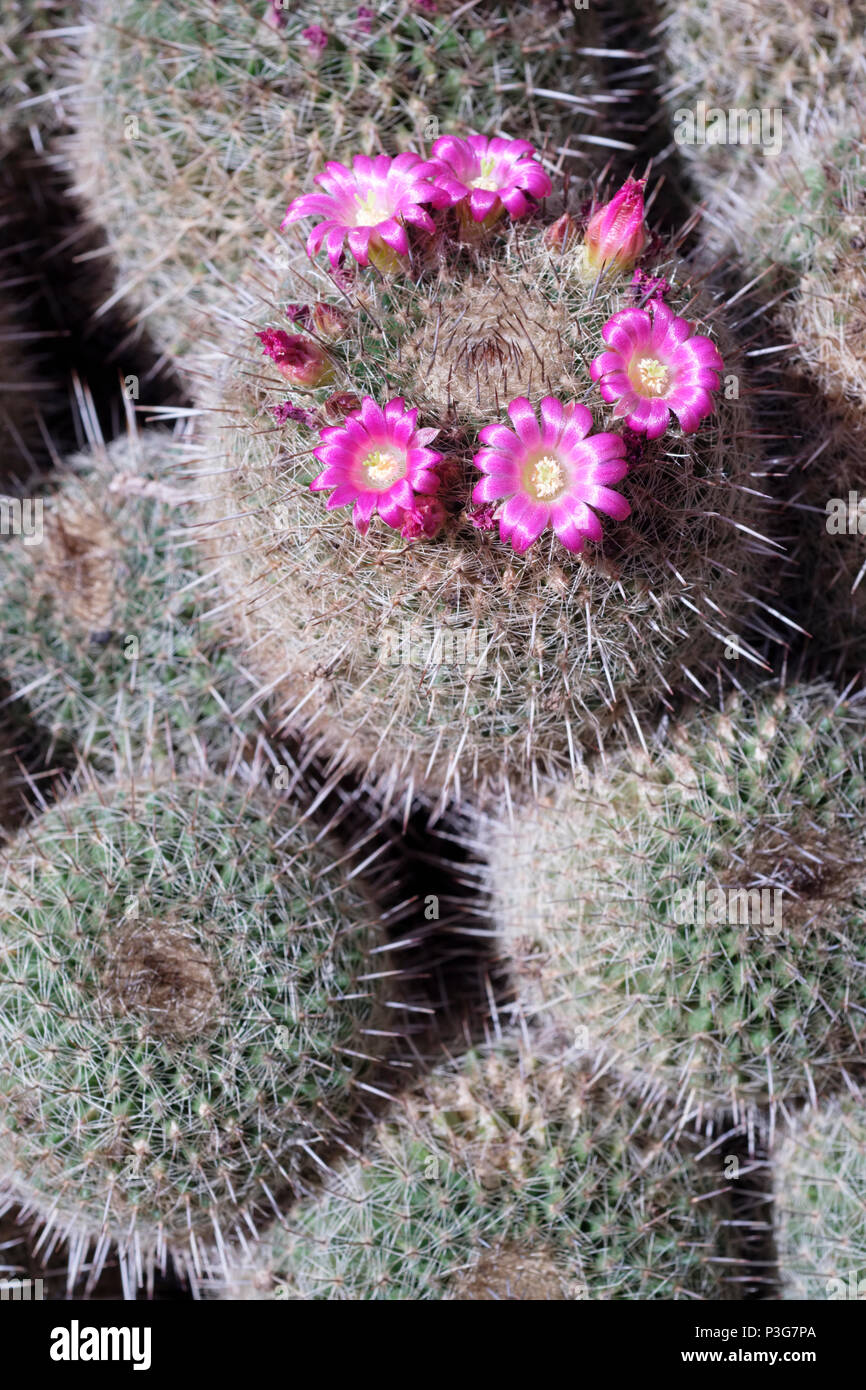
<point>103,633</point>
<point>791,194</point>
<point>199,120</point>
<point>502,1178</point>
<point>698,914</point>
<point>819,1170</point>
<point>455,658</point>
<point>186,1012</point>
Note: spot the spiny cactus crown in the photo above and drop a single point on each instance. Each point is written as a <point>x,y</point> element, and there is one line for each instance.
<point>103,629</point>
<point>819,1170</point>
<point>350,630</point>
<point>183,1014</point>
<point>198,120</point>
<point>699,913</point>
<point>501,1179</point>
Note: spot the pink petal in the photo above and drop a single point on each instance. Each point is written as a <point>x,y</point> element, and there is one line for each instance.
<point>524,421</point>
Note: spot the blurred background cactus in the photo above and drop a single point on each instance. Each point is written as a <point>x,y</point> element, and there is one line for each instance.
<point>698,914</point>
<point>820,1204</point>
<point>501,1178</point>
<point>102,627</point>
<point>187,1009</point>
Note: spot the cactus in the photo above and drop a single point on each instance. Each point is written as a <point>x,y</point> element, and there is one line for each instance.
<point>820,1204</point>
<point>29,50</point>
<point>500,1178</point>
<point>198,122</point>
<point>698,914</point>
<point>27,396</point>
<point>455,659</point>
<point>103,628</point>
<point>800,206</point>
<point>187,1015</point>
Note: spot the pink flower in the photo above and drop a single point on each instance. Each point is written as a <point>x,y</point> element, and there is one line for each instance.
<point>378,460</point>
<point>656,366</point>
<point>550,474</point>
<point>483,176</point>
<point>370,205</point>
<point>316,37</point>
<point>616,235</point>
<point>299,359</point>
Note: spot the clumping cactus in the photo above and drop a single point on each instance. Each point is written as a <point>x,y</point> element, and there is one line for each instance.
<point>698,914</point>
<point>436,648</point>
<point>102,623</point>
<point>198,121</point>
<point>502,1178</point>
<point>819,1169</point>
<point>187,1013</point>
<point>786,185</point>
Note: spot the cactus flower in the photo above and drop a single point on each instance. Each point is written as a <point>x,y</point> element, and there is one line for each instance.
<point>379,461</point>
<point>484,177</point>
<point>657,364</point>
<point>298,359</point>
<point>615,234</point>
<point>550,474</point>
<point>369,206</point>
<point>425,517</point>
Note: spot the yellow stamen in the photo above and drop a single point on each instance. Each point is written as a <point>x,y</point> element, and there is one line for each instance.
<point>653,375</point>
<point>487,179</point>
<point>547,477</point>
<point>383,468</point>
<point>369,211</point>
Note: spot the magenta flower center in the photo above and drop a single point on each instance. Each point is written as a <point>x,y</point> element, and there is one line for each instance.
<point>384,468</point>
<point>544,478</point>
<point>649,376</point>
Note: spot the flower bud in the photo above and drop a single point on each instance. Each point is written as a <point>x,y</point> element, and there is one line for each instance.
<point>299,359</point>
<point>615,234</point>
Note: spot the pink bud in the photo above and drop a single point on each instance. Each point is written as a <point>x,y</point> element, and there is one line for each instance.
<point>616,235</point>
<point>301,361</point>
<point>561,233</point>
<point>329,321</point>
<point>424,518</point>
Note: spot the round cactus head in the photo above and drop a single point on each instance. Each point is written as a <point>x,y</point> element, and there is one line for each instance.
<point>501,1179</point>
<point>774,143</point>
<point>187,1015</point>
<point>189,165</point>
<point>534,572</point>
<point>699,914</point>
<point>103,627</point>
<point>819,1171</point>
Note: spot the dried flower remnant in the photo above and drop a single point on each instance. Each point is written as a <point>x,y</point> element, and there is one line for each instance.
<point>298,359</point>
